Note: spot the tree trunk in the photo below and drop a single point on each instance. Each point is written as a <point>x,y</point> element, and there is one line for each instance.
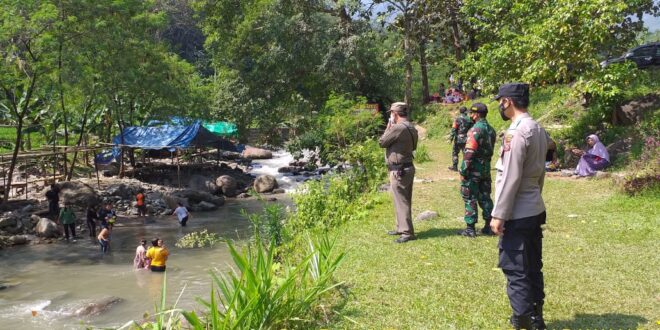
<point>455,32</point>
<point>407,47</point>
<point>65,118</point>
<point>14,156</point>
<point>424,71</point>
<point>19,132</point>
<point>80,136</point>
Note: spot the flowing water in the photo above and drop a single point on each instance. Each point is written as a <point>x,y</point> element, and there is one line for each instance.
<point>48,283</point>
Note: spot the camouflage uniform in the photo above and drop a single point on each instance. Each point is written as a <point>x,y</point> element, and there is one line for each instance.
<point>459,130</point>
<point>475,170</point>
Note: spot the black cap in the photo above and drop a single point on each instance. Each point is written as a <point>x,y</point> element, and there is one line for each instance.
<point>462,109</point>
<point>516,90</point>
<point>479,108</point>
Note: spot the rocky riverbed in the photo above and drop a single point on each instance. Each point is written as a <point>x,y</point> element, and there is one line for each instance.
<point>203,186</point>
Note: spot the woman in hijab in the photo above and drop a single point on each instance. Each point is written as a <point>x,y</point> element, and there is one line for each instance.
<point>594,159</point>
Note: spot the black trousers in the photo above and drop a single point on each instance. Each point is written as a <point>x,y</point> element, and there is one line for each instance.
<point>91,225</point>
<point>70,227</point>
<point>521,262</point>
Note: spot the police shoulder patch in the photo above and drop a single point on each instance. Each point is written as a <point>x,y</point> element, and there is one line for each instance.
<point>507,141</point>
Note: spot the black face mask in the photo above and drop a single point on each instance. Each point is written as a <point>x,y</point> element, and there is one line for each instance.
<point>502,109</point>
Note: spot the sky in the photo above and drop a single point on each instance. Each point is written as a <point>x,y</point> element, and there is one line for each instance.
<point>653,23</point>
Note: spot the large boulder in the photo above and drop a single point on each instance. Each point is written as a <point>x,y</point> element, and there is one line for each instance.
<point>8,220</point>
<point>228,185</point>
<point>635,111</point>
<point>18,240</point>
<point>257,153</point>
<point>190,197</point>
<point>205,206</point>
<point>77,193</point>
<point>47,228</point>
<point>121,190</point>
<point>202,183</point>
<point>265,183</point>
<point>96,307</point>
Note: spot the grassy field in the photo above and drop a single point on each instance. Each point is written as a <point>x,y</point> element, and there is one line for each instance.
<point>602,266</point>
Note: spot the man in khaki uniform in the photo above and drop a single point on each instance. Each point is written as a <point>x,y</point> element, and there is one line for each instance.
<point>519,211</point>
<point>400,140</point>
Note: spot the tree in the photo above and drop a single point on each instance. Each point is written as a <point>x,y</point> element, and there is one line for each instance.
<point>26,49</point>
<point>545,42</point>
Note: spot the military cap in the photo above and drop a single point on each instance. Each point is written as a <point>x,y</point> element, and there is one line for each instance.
<point>479,108</point>
<point>516,90</point>
<point>399,107</point>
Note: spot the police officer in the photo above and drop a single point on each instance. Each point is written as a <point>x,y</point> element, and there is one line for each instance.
<point>459,129</point>
<point>519,211</point>
<point>475,170</point>
<point>400,140</point>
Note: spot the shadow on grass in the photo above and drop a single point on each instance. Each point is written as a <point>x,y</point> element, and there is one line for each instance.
<point>437,232</point>
<point>604,321</point>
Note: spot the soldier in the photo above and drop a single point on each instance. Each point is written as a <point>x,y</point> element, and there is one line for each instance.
<point>400,139</point>
<point>475,170</point>
<point>459,129</point>
<point>519,211</point>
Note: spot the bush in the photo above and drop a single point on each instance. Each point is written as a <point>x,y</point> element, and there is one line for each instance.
<point>644,173</point>
<point>422,154</point>
<point>269,224</point>
<point>198,239</point>
<point>264,294</point>
<point>339,125</point>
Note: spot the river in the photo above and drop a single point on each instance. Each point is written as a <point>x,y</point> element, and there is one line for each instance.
<point>48,282</point>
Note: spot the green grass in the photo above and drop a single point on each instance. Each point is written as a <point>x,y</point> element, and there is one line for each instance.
<point>600,254</point>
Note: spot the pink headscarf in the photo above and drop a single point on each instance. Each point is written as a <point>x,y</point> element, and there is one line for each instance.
<point>598,149</point>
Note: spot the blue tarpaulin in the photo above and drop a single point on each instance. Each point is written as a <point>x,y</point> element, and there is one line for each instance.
<point>158,137</point>
<point>166,136</point>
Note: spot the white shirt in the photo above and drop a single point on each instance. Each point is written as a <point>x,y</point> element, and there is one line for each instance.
<point>181,212</point>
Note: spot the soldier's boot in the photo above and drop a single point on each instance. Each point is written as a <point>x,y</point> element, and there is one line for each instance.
<point>537,317</point>
<point>486,229</point>
<point>519,322</point>
<point>453,168</point>
<point>469,231</point>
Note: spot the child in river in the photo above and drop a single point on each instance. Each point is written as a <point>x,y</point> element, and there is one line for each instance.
<point>140,261</point>
<point>104,238</point>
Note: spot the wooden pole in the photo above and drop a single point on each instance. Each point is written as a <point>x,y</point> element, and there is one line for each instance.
<point>98,181</point>
<point>26,178</point>
<point>178,168</point>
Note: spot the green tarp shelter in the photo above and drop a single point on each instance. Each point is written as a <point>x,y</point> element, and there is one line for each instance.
<point>222,128</point>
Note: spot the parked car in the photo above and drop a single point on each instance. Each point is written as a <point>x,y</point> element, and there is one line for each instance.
<point>644,56</point>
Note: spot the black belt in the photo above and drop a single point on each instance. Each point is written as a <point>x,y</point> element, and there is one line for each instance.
<point>396,167</point>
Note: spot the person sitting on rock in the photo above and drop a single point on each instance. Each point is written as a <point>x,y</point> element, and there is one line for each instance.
<point>594,159</point>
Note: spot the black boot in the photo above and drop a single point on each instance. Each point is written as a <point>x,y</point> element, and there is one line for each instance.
<point>453,168</point>
<point>486,229</point>
<point>468,231</point>
<point>537,317</point>
<point>521,322</point>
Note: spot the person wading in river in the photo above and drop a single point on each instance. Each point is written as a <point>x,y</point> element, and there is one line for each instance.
<point>158,255</point>
<point>104,238</point>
